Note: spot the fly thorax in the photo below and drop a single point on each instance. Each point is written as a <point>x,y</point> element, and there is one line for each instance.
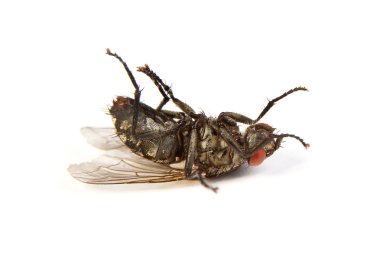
<point>207,139</point>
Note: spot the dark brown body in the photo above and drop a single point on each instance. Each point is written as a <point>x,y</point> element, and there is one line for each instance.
<point>161,138</point>
<point>208,146</point>
<point>147,140</point>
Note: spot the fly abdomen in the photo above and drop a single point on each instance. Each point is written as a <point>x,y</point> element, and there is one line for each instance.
<point>153,139</point>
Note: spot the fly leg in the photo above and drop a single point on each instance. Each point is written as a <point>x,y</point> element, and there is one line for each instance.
<point>158,82</point>
<point>174,115</point>
<point>282,136</point>
<point>273,101</point>
<point>168,93</point>
<point>202,179</point>
<point>231,117</point>
<point>228,137</point>
<point>135,85</point>
<point>191,153</point>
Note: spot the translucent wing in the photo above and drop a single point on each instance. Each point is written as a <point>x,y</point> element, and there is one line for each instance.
<point>102,137</point>
<point>121,166</point>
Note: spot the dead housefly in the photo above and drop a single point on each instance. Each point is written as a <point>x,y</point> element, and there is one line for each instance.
<point>157,145</point>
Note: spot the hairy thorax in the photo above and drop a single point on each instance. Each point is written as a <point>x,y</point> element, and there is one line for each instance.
<point>215,156</point>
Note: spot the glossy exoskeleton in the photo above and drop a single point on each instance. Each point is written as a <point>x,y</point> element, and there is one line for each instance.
<point>157,145</point>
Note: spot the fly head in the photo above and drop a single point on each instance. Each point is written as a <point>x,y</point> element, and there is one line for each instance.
<point>261,142</point>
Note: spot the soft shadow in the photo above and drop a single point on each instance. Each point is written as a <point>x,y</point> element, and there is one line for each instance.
<point>276,165</point>
<point>283,163</point>
<point>142,186</point>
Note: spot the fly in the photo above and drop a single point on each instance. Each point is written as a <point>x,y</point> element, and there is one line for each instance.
<point>153,145</point>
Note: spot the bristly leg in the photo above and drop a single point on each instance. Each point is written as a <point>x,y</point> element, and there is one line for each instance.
<point>190,156</point>
<point>174,115</point>
<point>205,184</point>
<point>135,85</point>
<point>231,117</point>
<point>273,101</point>
<point>281,136</point>
<point>159,83</point>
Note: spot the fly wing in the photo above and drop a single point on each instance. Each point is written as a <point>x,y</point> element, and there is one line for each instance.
<point>102,137</point>
<point>121,166</point>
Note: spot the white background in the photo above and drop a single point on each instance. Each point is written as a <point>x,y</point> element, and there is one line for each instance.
<point>218,56</point>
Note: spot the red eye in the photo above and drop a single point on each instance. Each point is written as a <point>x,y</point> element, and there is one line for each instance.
<point>257,157</point>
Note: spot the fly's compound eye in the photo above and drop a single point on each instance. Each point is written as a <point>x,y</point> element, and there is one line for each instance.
<point>257,157</point>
